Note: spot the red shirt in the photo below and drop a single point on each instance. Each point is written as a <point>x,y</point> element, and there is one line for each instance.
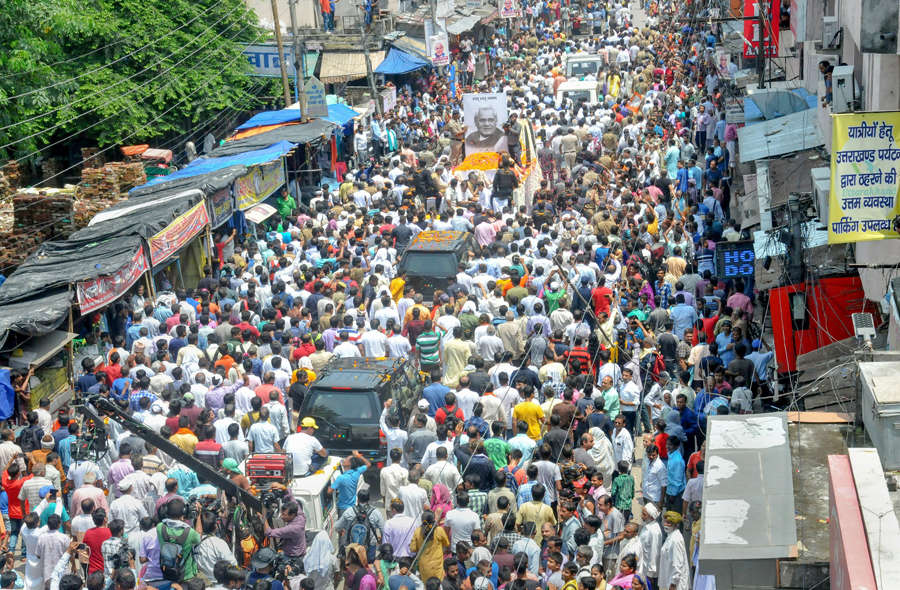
<point>660,441</point>
<point>262,392</point>
<point>601,297</point>
<point>692,464</point>
<point>94,538</point>
<point>13,487</point>
<point>441,415</point>
<point>305,349</point>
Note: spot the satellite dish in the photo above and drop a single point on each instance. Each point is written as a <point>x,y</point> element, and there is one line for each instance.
<point>190,151</point>
<point>209,143</point>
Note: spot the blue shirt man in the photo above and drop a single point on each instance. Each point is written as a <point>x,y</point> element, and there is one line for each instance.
<point>676,479</point>
<point>346,483</point>
<point>760,362</point>
<point>435,393</point>
<point>683,317</point>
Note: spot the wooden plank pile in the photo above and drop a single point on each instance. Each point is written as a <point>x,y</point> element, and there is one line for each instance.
<point>91,158</point>
<point>36,211</point>
<point>111,180</point>
<point>10,178</point>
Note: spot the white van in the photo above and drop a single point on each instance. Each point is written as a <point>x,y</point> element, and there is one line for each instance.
<point>581,64</point>
<point>588,91</point>
<point>318,505</point>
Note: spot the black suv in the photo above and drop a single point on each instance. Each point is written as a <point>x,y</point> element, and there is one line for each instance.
<point>432,260</point>
<point>347,398</point>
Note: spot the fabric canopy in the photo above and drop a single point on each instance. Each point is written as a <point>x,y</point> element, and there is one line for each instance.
<point>294,133</point>
<point>412,46</point>
<point>343,67</point>
<point>271,118</point>
<point>400,62</point>
<point>206,165</point>
<point>35,316</point>
<point>341,114</point>
<point>463,24</point>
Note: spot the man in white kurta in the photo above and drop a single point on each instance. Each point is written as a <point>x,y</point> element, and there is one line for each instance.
<point>674,570</point>
<point>651,538</point>
<point>393,477</point>
<point>630,545</point>
<point>130,510</point>
<point>51,546</point>
<point>34,577</point>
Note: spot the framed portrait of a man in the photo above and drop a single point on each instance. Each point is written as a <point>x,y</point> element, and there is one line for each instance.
<point>484,115</point>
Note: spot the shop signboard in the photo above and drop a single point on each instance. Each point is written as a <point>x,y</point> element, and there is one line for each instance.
<point>178,233</point>
<point>221,207</point>
<point>865,190</point>
<point>767,28</point>
<point>101,291</point>
<point>316,104</point>
<point>259,183</point>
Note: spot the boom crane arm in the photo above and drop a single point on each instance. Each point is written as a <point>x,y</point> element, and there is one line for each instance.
<point>204,472</point>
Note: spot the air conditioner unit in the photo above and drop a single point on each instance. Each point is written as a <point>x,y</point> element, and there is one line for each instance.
<point>821,185</point>
<point>846,93</point>
<point>832,36</point>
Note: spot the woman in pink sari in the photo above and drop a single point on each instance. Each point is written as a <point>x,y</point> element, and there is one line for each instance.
<point>440,502</point>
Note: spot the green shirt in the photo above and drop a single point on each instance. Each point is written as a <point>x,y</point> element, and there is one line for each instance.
<point>553,300</point>
<point>193,539</point>
<point>429,346</point>
<point>622,492</point>
<point>285,206</point>
<point>497,449</point>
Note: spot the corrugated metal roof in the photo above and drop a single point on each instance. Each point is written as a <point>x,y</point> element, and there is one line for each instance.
<point>784,135</point>
<point>412,46</point>
<point>463,24</point>
<point>343,67</point>
<point>748,491</point>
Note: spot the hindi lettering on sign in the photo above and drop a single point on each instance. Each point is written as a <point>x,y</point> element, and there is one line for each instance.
<point>864,188</point>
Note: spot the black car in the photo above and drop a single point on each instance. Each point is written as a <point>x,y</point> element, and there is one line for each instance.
<point>432,260</point>
<point>347,398</point>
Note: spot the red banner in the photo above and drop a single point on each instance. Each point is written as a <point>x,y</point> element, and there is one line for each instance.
<point>102,291</point>
<point>768,26</point>
<point>178,233</point>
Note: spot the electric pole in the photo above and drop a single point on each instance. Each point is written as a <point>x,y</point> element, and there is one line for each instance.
<point>299,63</point>
<point>278,41</point>
<point>760,49</point>
<point>370,75</point>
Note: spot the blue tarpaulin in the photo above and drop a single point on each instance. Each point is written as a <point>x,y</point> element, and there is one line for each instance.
<point>207,165</point>
<point>271,118</point>
<point>400,62</point>
<point>7,395</point>
<point>340,114</point>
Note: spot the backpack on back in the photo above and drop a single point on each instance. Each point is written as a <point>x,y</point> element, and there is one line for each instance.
<point>361,531</point>
<point>172,556</point>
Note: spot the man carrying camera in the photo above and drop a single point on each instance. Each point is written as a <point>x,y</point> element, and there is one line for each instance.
<point>292,535</point>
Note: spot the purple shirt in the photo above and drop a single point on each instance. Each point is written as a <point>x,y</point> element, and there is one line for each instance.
<point>215,398</point>
<point>117,472</point>
<point>292,535</point>
<point>398,533</point>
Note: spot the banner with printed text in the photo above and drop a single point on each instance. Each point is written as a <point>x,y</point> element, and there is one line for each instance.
<point>259,183</point>
<point>767,30</point>
<point>101,291</point>
<point>178,233</point>
<point>864,200</point>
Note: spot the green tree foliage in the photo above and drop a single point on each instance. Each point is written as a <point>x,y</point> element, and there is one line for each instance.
<point>103,72</point>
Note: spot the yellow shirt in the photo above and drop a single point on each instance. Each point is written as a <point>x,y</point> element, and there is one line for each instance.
<point>531,413</point>
<point>396,288</point>
<point>537,512</point>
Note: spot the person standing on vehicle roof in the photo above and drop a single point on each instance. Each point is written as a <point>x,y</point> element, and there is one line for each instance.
<point>307,452</point>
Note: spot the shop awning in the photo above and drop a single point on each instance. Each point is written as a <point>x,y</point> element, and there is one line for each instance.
<point>400,62</point>
<point>463,24</point>
<point>341,114</point>
<point>343,67</point>
<point>205,165</point>
<point>270,118</point>
<point>36,316</point>
<point>293,132</point>
<point>411,46</point>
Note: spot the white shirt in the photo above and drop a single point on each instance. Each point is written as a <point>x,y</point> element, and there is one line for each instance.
<point>210,550</point>
<point>630,393</point>
<point>222,425</point>
<point>623,446</point>
<point>651,538</point>
<point>393,477</point>
<point>462,521</point>
<point>443,472</point>
<point>130,510</point>
<point>374,343</point>
<point>466,400</point>
<point>398,346</point>
<point>414,499</point>
<point>346,350</point>
<point>674,568</point>
<point>654,479</point>
<point>263,435</point>
<point>301,446</point>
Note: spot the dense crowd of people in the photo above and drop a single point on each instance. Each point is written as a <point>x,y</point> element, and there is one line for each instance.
<point>585,341</point>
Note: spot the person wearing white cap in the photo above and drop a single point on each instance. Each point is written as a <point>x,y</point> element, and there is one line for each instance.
<point>131,510</point>
<point>651,539</point>
<point>303,446</point>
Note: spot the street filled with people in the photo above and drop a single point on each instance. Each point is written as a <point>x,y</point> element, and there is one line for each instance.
<point>565,372</point>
